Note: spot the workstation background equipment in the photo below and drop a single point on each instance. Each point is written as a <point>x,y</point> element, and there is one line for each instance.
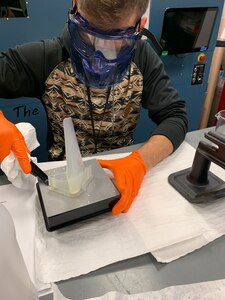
<point>183,67</point>
<point>46,19</point>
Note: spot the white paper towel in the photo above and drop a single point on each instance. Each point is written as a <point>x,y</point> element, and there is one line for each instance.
<point>210,290</point>
<point>21,205</point>
<point>10,165</point>
<point>15,282</point>
<point>160,221</point>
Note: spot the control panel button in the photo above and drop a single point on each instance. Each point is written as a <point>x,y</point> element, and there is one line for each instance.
<point>201,57</point>
<point>197,74</point>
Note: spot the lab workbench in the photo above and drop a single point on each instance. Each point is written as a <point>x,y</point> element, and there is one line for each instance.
<point>144,273</point>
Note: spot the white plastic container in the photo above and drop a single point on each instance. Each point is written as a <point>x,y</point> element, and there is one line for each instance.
<point>75,165</point>
<point>220,124</point>
<point>70,180</point>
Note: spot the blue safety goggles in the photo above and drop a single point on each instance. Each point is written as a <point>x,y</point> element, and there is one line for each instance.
<point>100,58</point>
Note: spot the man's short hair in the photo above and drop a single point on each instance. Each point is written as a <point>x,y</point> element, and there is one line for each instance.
<point>107,13</point>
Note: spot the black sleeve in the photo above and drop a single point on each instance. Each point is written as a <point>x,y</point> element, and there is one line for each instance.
<point>162,101</point>
<point>24,69</point>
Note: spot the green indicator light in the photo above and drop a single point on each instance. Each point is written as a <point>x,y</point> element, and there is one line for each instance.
<point>164,53</point>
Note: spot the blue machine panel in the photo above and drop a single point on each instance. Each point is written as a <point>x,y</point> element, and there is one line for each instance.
<point>45,19</point>
<point>30,111</point>
<point>180,67</point>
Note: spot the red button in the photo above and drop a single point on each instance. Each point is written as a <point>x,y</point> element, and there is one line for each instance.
<point>201,57</point>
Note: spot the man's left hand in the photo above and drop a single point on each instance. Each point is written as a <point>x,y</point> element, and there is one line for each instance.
<point>129,173</point>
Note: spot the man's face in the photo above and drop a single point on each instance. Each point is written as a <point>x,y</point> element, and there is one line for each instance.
<point>101,55</point>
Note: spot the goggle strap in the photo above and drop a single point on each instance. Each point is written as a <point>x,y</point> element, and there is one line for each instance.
<point>151,37</point>
<point>73,9</point>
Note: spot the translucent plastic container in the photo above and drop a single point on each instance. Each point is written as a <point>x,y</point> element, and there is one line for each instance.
<point>220,124</point>
<point>71,179</point>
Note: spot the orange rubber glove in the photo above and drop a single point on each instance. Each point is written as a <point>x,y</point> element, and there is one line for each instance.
<point>11,139</point>
<point>129,173</point>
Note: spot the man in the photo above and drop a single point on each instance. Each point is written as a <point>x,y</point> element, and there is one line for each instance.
<point>100,74</point>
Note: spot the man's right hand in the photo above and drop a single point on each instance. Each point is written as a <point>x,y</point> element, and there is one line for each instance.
<point>11,139</point>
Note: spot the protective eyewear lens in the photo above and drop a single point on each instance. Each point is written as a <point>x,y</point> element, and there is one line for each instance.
<point>110,49</point>
<point>111,44</point>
